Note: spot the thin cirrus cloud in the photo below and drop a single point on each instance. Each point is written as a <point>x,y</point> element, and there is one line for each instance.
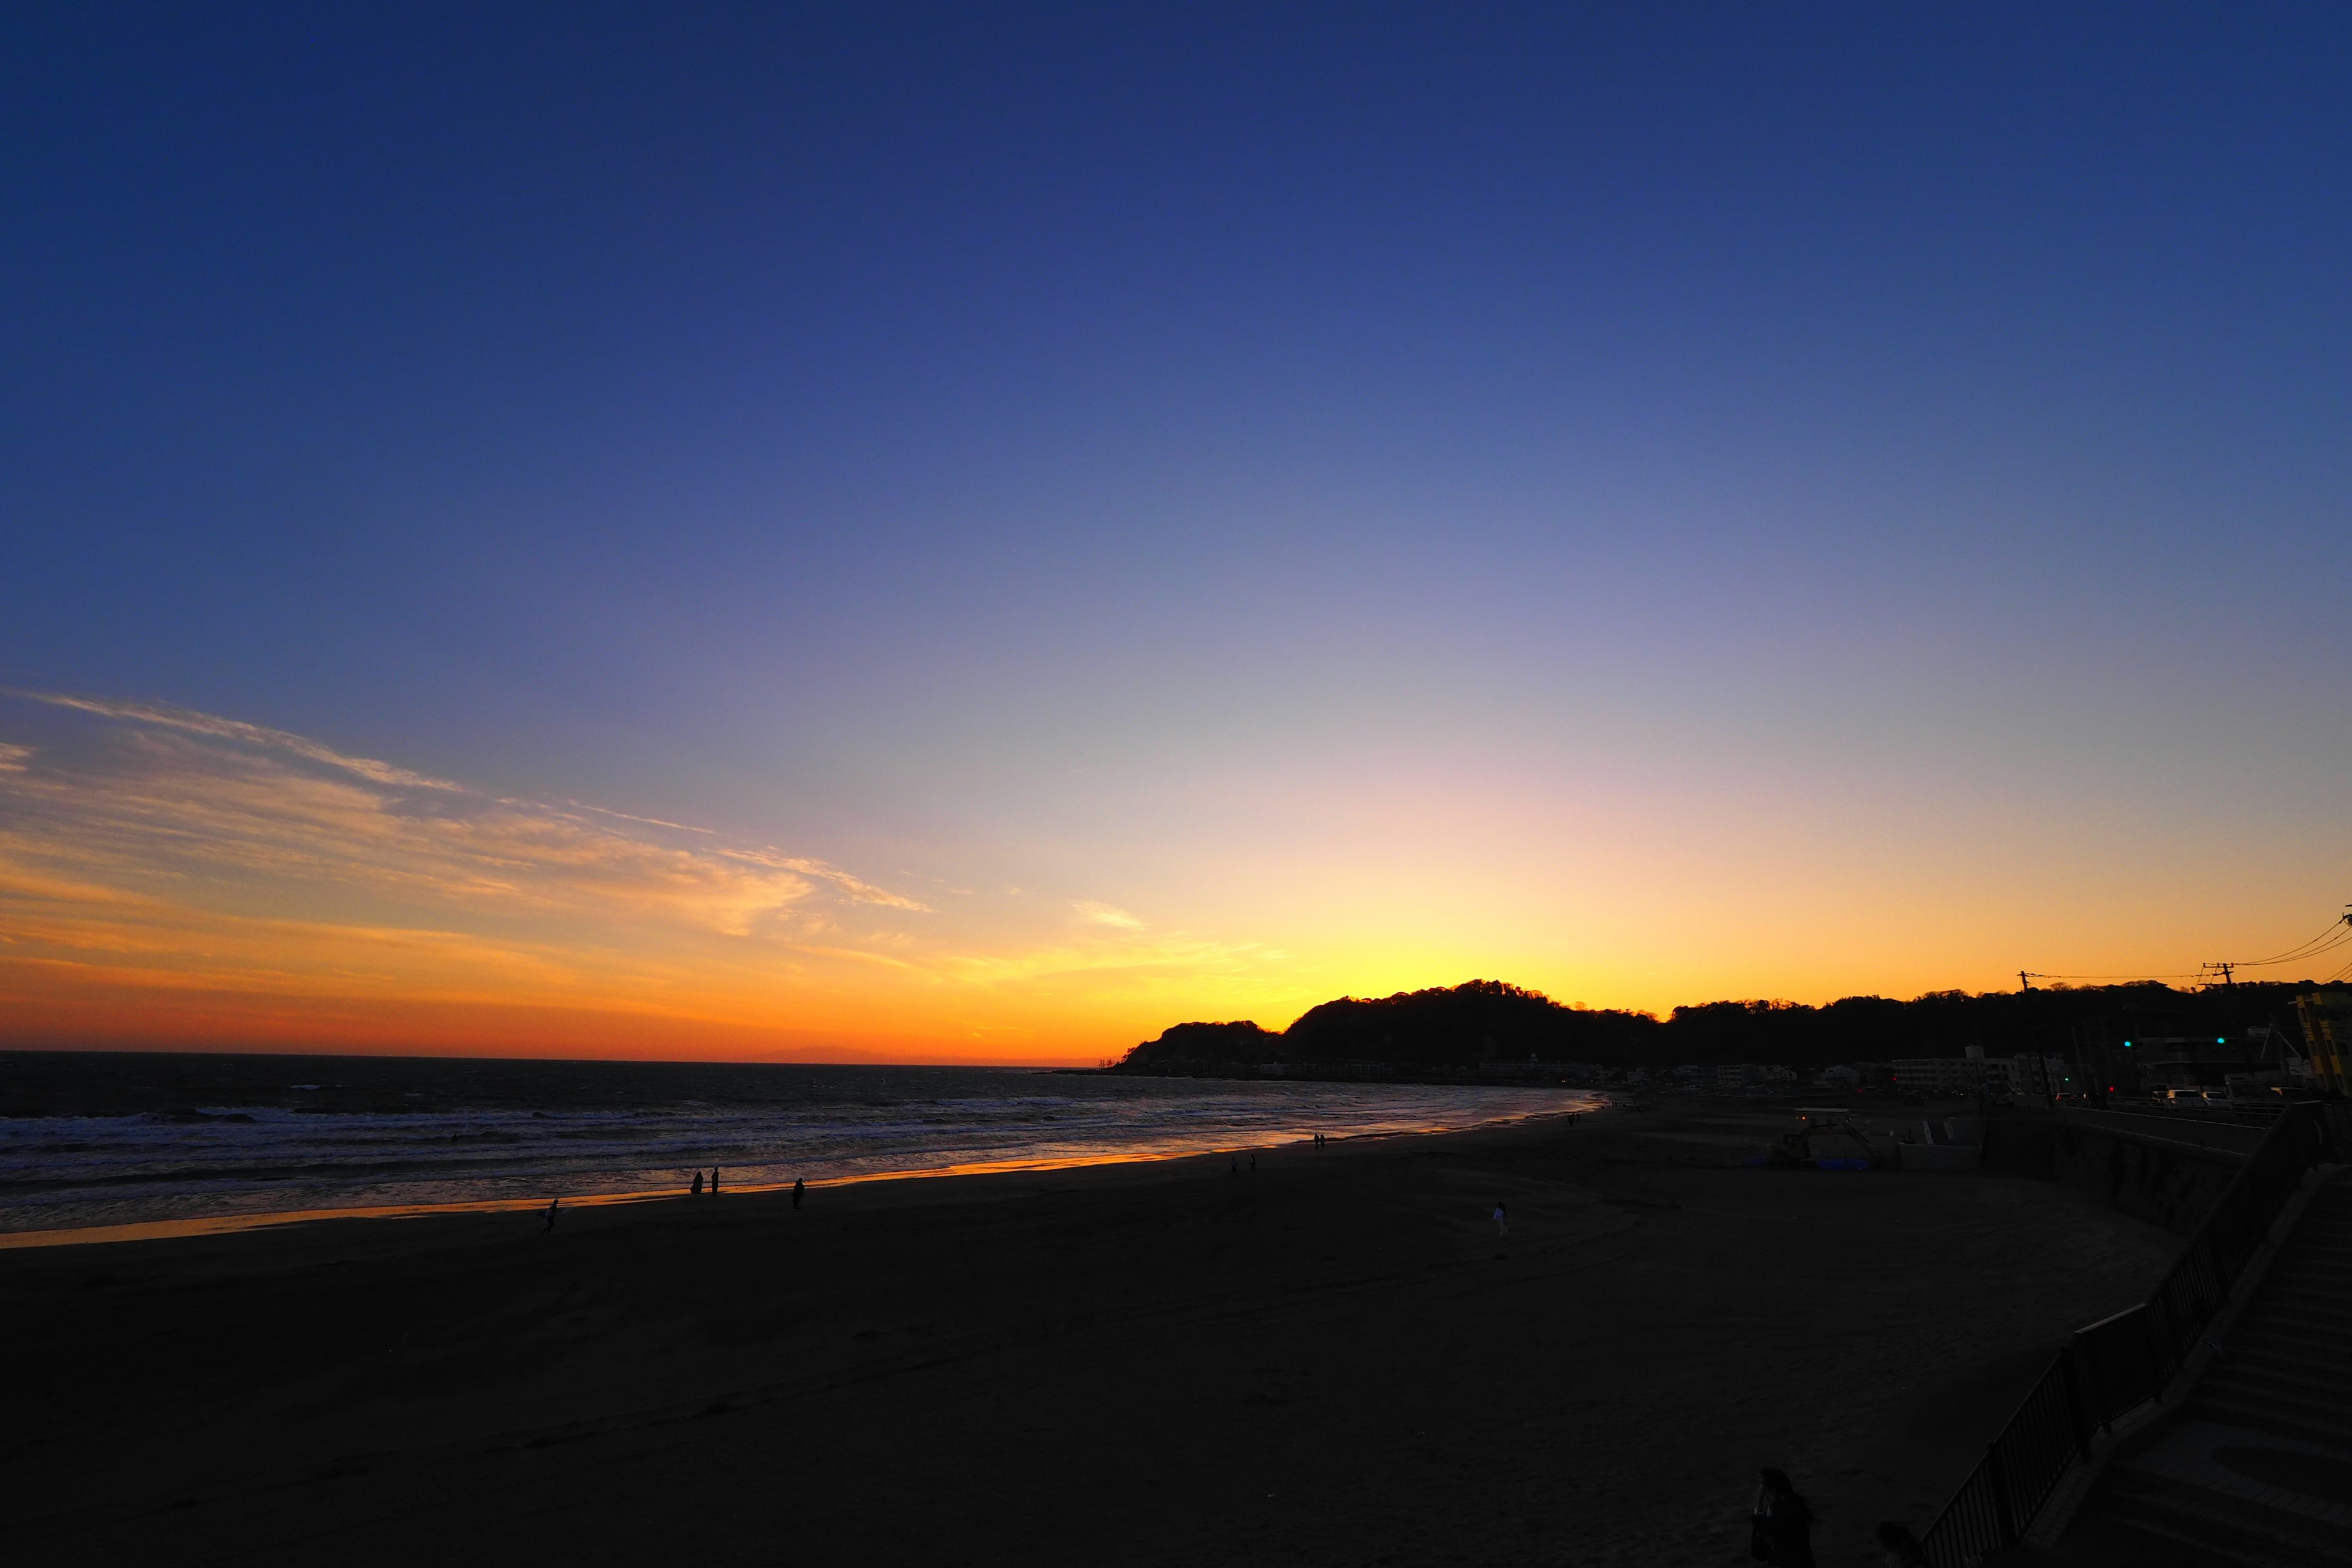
<point>166,716</point>
<point>851,886</point>
<point>148,853</point>
<point>186,806</point>
<point>163,844</point>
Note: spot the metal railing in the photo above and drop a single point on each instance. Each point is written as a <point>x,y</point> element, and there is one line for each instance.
<point>2119,1363</point>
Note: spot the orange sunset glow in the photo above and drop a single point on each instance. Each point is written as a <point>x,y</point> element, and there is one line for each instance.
<point>169,878</point>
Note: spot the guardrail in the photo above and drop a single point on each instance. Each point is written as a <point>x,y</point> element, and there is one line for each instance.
<point>2119,1363</point>
<point>2227,1136</point>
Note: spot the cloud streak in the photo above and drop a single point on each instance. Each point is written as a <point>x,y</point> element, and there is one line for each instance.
<point>151,854</point>
<point>861,892</point>
<point>254,735</point>
<point>197,809</point>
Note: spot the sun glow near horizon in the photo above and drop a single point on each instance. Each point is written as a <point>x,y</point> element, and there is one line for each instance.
<point>178,879</point>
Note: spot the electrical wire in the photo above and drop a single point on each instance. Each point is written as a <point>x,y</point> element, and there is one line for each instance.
<point>2338,930</point>
<point>2305,957</point>
<point>2198,974</point>
<point>2338,934</point>
<point>2334,931</point>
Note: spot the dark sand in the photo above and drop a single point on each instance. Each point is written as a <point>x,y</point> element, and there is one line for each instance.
<point>1335,1361</point>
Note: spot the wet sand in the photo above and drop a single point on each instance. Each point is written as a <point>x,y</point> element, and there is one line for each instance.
<point>1336,1360</point>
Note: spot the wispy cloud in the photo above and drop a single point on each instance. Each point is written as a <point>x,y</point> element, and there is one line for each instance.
<point>151,852</point>
<point>254,735</point>
<point>1177,957</point>
<point>862,891</point>
<point>200,808</point>
<point>629,816</point>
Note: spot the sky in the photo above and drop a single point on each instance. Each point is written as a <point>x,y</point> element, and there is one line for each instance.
<point>979,533</point>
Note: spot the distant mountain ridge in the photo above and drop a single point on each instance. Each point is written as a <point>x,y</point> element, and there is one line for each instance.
<point>1460,1026</point>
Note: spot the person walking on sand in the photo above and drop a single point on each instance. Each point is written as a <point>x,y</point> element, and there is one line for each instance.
<point>1783,1526</point>
<point>552,1204</point>
<point>798,1187</point>
<point>1502,1220</point>
<point>1253,1162</point>
<point>714,1181</point>
<point>698,1181</point>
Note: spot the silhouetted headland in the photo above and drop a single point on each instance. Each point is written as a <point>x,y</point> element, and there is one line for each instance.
<point>1456,1031</point>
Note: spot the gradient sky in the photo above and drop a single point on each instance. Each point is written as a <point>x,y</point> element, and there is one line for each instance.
<point>980,532</point>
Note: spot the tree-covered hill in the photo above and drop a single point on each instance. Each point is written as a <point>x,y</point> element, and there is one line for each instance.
<point>1491,1021</point>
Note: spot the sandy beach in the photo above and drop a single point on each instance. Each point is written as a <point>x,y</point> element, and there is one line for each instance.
<point>1335,1359</point>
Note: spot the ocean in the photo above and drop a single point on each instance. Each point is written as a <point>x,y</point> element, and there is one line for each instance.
<point>105,1139</point>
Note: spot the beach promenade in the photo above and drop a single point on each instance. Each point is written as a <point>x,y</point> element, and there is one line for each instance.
<point>1336,1359</point>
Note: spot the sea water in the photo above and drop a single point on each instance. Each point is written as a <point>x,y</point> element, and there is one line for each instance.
<point>118,1137</point>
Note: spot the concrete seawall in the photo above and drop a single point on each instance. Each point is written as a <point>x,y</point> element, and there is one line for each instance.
<point>2169,1174</point>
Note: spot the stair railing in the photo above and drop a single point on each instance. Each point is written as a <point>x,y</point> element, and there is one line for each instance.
<point>2118,1363</point>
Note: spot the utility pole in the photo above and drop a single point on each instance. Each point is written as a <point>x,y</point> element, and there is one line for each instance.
<point>2024,981</point>
<point>2223,969</point>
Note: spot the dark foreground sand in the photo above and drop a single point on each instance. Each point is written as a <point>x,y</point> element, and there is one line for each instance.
<point>1334,1361</point>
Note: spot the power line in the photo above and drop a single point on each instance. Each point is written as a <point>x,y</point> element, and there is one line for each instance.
<point>2337,933</point>
<point>2304,957</point>
<point>2037,974</point>
<point>2339,929</point>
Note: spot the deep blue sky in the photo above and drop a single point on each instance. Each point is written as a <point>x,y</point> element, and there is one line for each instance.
<point>1053,441</point>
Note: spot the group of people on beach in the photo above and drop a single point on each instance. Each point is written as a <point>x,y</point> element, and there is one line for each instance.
<point>800,1190</point>
<point>1781,1529</point>
<point>800,1186</point>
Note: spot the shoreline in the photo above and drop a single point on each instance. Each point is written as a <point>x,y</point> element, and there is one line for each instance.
<point>192,1226</point>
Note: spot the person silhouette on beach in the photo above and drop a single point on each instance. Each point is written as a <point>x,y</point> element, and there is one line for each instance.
<point>1253,1162</point>
<point>714,1181</point>
<point>1783,1525</point>
<point>552,1204</point>
<point>798,1187</point>
<point>1234,1164</point>
<point>698,1181</point>
<point>1502,1221</point>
